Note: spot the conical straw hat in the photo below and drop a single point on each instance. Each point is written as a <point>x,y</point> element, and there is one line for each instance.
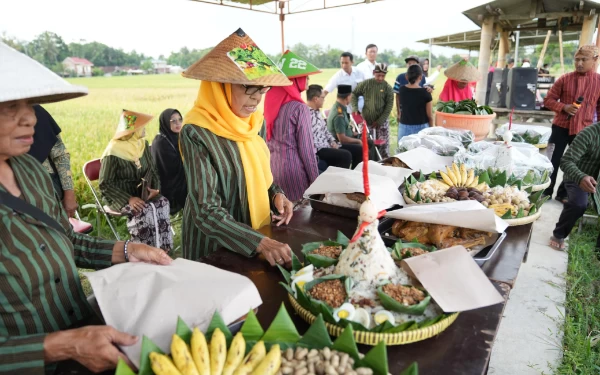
<point>131,121</point>
<point>21,77</point>
<point>294,66</point>
<point>237,59</point>
<point>463,71</point>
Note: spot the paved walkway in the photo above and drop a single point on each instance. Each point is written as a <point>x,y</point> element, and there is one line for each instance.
<point>530,338</point>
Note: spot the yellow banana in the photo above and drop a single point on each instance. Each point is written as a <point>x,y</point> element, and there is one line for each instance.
<point>218,352</point>
<point>446,178</point>
<point>235,356</point>
<point>470,178</point>
<point>162,365</point>
<point>200,352</point>
<point>452,176</point>
<point>270,365</point>
<point>463,175</point>
<point>481,187</point>
<point>182,357</point>
<point>252,360</point>
<point>456,170</point>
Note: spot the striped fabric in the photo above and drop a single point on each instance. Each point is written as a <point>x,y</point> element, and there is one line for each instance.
<point>293,160</point>
<point>120,179</point>
<point>583,158</point>
<point>379,100</point>
<point>216,212</point>
<point>40,289</point>
<point>565,91</point>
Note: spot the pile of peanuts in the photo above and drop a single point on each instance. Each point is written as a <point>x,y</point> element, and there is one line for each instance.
<point>319,362</point>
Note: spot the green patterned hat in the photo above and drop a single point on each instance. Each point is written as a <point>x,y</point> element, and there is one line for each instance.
<point>294,66</point>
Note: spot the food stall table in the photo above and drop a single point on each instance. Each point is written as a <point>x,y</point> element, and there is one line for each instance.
<point>464,348</point>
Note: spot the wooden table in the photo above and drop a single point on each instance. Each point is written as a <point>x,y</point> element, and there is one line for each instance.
<point>536,117</point>
<point>464,348</point>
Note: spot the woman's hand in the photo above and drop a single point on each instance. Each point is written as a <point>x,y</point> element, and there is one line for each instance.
<point>95,347</point>
<point>285,208</point>
<point>275,252</point>
<point>136,204</point>
<point>69,202</point>
<point>153,193</point>
<point>139,252</point>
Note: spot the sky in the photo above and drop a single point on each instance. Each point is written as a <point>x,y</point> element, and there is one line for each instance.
<point>156,27</point>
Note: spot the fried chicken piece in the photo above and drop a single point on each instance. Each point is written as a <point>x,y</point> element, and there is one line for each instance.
<point>394,162</point>
<point>438,233</point>
<point>467,243</point>
<point>412,232</point>
<point>398,224</point>
<point>357,197</point>
<point>472,233</point>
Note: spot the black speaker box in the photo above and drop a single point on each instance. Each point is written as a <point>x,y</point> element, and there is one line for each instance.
<point>522,86</point>
<point>487,89</point>
<point>498,88</point>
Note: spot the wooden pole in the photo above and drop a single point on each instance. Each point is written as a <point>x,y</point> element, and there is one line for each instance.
<point>587,30</point>
<point>543,53</point>
<point>503,50</point>
<point>487,34</point>
<point>560,47</point>
<point>430,48</point>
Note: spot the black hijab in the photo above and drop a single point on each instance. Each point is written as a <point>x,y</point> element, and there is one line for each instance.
<point>165,127</point>
<point>45,136</point>
<point>165,150</point>
<point>422,63</point>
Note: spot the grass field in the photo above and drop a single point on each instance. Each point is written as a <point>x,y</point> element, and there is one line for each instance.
<point>88,123</point>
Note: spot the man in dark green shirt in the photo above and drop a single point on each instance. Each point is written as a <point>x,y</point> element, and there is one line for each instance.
<point>379,101</point>
<point>338,123</point>
<point>581,166</point>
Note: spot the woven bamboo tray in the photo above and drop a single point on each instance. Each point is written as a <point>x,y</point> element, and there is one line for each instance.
<point>370,338</point>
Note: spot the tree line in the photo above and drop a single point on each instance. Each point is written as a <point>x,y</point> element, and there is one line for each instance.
<point>50,49</point>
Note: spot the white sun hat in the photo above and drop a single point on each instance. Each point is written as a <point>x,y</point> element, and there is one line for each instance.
<point>21,77</point>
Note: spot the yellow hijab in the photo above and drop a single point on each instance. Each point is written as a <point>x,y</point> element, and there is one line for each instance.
<point>212,111</point>
<point>130,148</point>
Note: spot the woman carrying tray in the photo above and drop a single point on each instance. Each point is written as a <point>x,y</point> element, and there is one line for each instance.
<point>227,164</point>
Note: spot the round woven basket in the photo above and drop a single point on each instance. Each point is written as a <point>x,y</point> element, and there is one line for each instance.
<point>370,338</point>
<point>524,220</point>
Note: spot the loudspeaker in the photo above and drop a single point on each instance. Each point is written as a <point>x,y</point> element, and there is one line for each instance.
<point>498,88</point>
<point>522,85</point>
<point>487,89</point>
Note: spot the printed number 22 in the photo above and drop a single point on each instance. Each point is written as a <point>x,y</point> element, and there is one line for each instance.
<point>295,64</point>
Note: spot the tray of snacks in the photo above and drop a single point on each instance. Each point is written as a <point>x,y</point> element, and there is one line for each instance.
<point>407,239</point>
<point>320,202</point>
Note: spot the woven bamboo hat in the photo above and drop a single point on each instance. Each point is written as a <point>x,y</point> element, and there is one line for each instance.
<point>131,121</point>
<point>463,71</point>
<point>237,59</point>
<point>21,77</point>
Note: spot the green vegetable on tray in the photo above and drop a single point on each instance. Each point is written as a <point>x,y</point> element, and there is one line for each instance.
<point>464,107</point>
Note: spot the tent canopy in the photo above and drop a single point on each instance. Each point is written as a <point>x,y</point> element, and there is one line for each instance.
<point>286,6</point>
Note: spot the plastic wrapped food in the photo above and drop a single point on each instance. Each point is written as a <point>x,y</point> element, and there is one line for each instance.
<point>441,145</point>
<point>526,163</point>
<point>466,137</point>
<point>531,134</point>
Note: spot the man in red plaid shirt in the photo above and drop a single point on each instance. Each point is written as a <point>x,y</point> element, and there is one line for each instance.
<point>570,119</point>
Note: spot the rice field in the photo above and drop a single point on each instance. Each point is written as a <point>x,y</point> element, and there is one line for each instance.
<point>88,123</point>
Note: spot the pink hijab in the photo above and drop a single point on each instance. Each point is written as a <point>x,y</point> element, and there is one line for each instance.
<point>451,91</point>
<point>278,96</point>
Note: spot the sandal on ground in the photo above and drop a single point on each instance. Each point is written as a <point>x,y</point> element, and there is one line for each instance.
<point>562,200</point>
<point>557,244</point>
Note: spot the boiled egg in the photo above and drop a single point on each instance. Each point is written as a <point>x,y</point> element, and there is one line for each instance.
<point>362,317</point>
<point>301,281</point>
<point>346,311</point>
<point>304,271</point>
<point>383,316</point>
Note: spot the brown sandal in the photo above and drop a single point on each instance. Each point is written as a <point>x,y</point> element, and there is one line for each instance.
<point>557,244</point>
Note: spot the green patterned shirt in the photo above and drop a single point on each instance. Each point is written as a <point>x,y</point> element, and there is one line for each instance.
<point>216,213</point>
<point>40,289</point>
<point>379,100</point>
<point>62,161</point>
<point>583,158</point>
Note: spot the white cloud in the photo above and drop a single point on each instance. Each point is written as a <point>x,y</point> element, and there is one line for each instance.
<point>157,27</point>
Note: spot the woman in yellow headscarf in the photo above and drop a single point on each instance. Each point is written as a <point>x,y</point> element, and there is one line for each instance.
<point>129,183</point>
<point>231,192</point>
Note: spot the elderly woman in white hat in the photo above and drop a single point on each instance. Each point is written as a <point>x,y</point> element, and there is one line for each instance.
<point>44,309</point>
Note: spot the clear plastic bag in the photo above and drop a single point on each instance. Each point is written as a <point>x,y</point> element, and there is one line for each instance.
<point>531,134</point>
<point>441,145</point>
<point>466,137</point>
<point>527,164</point>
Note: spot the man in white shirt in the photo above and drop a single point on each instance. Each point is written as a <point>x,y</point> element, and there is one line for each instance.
<point>366,67</point>
<point>348,75</point>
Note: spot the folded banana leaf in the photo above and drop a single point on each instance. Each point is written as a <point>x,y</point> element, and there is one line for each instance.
<point>283,331</point>
<point>319,261</point>
<point>391,304</point>
<point>399,245</point>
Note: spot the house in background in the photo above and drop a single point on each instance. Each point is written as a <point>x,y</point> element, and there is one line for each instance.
<point>78,66</point>
<point>160,66</point>
<point>174,69</point>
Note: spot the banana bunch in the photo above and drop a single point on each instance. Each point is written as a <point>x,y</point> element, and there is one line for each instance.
<point>461,177</point>
<point>203,358</point>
